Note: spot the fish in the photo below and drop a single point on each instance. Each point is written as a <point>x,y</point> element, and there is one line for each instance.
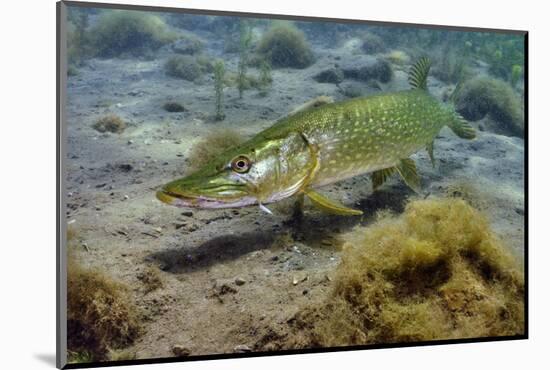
<point>324,144</point>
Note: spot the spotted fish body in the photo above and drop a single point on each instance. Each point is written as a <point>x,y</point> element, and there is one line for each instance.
<point>367,134</point>
<point>322,145</point>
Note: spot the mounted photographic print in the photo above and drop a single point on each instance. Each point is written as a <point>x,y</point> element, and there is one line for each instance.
<point>236,184</point>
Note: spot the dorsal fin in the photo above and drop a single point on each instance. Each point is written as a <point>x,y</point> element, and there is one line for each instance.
<point>418,75</point>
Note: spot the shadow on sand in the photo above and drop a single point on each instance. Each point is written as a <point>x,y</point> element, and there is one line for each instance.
<point>311,229</point>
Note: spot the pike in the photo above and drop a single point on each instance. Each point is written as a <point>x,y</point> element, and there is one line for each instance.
<point>322,145</point>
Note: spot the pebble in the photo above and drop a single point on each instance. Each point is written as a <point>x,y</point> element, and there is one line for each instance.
<point>242,348</point>
<point>240,281</point>
<point>187,213</point>
<point>181,351</point>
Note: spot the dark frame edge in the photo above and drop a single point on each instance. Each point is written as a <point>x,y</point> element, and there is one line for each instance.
<point>223,356</point>
<point>526,181</point>
<point>285,17</point>
<point>61,261</point>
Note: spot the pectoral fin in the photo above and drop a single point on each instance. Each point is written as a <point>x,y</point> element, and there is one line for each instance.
<point>329,205</point>
<point>430,149</point>
<point>381,176</point>
<point>407,169</point>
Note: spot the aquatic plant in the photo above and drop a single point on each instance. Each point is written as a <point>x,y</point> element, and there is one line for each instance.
<point>100,315</point>
<point>121,355</point>
<point>219,72</point>
<point>265,80</point>
<point>372,43</point>
<point>173,107</point>
<point>78,38</point>
<point>245,39</point>
<point>183,66</point>
<point>120,32</point>
<point>285,46</point>
<point>517,72</point>
<point>110,123</point>
<point>483,96</point>
<point>398,57</point>
<point>502,53</point>
<point>331,75</point>
<point>151,279</point>
<point>435,272</point>
<point>381,70</point>
<point>452,65</point>
<point>188,44</point>
<point>210,146</point>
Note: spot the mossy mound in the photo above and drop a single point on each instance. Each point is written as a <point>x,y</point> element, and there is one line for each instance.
<point>212,145</point>
<point>188,45</point>
<point>183,66</point>
<point>398,57</point>
<point>488,96</point>
<point>283,45</point>
<point>110,123</point>
<point>372,44</point>
<point>436,272</point>
<point>120,32</point>
<point>100,315</point>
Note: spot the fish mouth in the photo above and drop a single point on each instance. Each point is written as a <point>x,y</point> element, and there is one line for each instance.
<point>201,201</point>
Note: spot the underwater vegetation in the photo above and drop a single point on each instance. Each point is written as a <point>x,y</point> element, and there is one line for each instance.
<point>245,40</point>
<point>188,45</point>
<point>483,96</point>
<point>100,316</point>
<point>110,123</point>
<point>332,75</point>
<point>151,279</point>
<point>284,45</point>
<point>78,40</point>
<point>219,84</point>
<point>451,65</point>
<point>265,79</point>
<point>380,70</point>
<point>372,43</point>
<point>120,32</point>
<point>185,67</point>
<point>398,57</point>
<point>211,145</point>
<point>435,272</point>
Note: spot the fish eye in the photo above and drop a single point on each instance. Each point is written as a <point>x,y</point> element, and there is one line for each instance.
<point>240,164</point>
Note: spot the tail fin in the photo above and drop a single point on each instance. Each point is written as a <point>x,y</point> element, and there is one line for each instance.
<point>461,127</point>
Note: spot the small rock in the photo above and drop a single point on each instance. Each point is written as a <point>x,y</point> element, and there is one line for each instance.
<point>187,213</point>
<point>181,351</point>
<point>242,348</point>
<point>240,281</point>
<point>126,197</point>
<point>305,291</point>
<point>130,142</point>
<point>333,75</point>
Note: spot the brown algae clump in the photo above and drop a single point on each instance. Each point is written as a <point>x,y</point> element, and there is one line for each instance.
<point>119,32</point>
<point>212,145</point>
<point>100,316</point>
<point>436,272</point>
<point>110,123</point>
<point>285,46</point>
<point>488,96</point>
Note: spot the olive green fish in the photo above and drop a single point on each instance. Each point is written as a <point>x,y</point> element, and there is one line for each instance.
<point>322,145</point>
